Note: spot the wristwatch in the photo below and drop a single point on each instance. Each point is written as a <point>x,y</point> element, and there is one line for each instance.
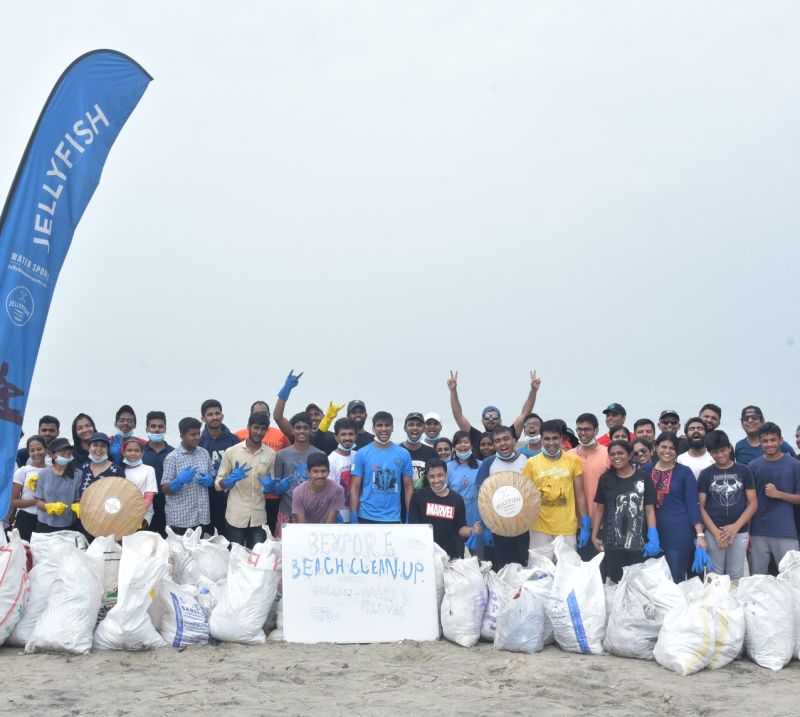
<point>701,535</point>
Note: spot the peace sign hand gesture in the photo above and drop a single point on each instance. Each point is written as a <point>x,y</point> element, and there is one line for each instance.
<point>452,382</point>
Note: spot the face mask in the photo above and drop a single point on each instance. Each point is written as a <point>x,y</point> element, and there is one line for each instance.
<point>510,457</point>
<point>124,434</point>
<point>156,437</point>
<point>587,444</point>
<point>413,442</point>
<point>102,458</point>
<point>464,455</point>
<point>342,448</point>
<point>535,439</point>
<point>132,464</point>
<point>384,443</point>
<point>442,490</point>
<point>433,439</point>
<point>63,461</point>
<point>556,454</point>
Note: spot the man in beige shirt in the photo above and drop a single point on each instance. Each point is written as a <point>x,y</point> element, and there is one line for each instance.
<point>243,472</point>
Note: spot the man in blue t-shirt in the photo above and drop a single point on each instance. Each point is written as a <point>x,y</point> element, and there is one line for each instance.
<point>749,447</point>
<point>381,476</point>
<point>777,478</point>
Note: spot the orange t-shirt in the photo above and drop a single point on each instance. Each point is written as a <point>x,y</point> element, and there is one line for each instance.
<point>595,463</point>
<point>273,438</point>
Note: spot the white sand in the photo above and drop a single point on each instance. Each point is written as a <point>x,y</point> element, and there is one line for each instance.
<point>412,679</point>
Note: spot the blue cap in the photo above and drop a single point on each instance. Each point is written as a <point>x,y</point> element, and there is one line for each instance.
<point>490,408</point>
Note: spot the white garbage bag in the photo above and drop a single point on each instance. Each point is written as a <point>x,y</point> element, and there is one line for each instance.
<point>127,626</point>
<point>68,620</point>
<point>769,620</point>
<point>209,594</point>
<point>610,592</point>
<point>248,593</point>
<point>500,586</point>
<point>642,598</point>
<point>178,616</point>
<point>440,561</point>
<point>14,584</point>
<point>522,621</point>
<point>193,557</point>
<point>541,585</point>
<point>43,544</point>
<point>729,620</point>
<point>42,576</point>
<point>577,607</point>
<point>465,598</point>
<point>789,570</point>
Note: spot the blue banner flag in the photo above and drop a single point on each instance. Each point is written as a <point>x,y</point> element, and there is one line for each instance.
<point>55,180</point>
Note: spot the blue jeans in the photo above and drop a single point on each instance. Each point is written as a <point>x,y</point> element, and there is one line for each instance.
<point>246,536</point>
<point>677,560</point>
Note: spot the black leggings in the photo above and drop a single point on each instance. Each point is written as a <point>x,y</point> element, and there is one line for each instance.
<point>615,560</point>
<point>25,523</point>
<point>508,550</point>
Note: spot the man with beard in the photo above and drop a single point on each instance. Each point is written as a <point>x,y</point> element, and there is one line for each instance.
<point>357,413</point>
<point>341,460</point>
<point>697,456</point>
<point>420,453</point>
<point>216,439</point>
<point>749,448</point>
<point>615,414</point>
<point>273,438</point>
<point>711,414</point>
<point>490,416</point>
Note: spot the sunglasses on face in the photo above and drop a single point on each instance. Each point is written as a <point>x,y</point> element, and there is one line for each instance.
<point>491,417</point>
<point>670,422</point>
<point>751,417</point>
<point>641,452</point>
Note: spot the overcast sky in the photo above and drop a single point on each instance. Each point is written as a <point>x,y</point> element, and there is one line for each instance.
<point>378,192</point>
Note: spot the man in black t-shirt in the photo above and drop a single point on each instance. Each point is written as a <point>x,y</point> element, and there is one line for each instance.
<point>443,509</point>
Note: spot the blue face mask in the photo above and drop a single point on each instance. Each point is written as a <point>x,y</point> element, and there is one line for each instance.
<point>132,464</point>
<point>464,455</point>
<point>125,434</point>
<point>156,437</point>
<point>384,443</point>
<point>551,455</point>
<point>342,448</point>
<point>412,441</point>
<point>62,461</point>
<point>95,459</point>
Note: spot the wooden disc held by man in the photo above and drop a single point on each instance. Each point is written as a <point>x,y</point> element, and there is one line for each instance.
<point>112,506</point>
<point>509,503</point>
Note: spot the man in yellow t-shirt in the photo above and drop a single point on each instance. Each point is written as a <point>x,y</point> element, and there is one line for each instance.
<point>559,477</point>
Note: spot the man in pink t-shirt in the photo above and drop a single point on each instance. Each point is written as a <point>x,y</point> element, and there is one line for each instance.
<point>595,463</point>
<point>318,500</point>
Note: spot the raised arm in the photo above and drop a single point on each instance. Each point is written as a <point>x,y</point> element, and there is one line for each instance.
<point>530,401</point>
<point>455,403</point>
<point>280,405</point>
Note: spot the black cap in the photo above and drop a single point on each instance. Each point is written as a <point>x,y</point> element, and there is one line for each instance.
<point>356,403</point>
<point>98,436</point>
<point>668,412</point>
<point>415,416</point>
<point>59,444</point>
<point>615,408</point>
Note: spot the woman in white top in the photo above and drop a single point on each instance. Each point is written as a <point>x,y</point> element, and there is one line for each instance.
<point>24,484</point>
<point>141,475</point>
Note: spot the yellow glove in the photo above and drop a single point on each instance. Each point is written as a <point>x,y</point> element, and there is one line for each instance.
<point>76,508</point>
<point>30,483</point>
<point>55,508</point>
<point>330,415</point>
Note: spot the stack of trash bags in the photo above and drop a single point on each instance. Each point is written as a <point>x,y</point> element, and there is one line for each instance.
<point>63,595</point>
<point>685,628</point>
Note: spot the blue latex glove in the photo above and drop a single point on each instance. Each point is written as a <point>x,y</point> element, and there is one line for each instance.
<point>586,531</point>
<point>652,546</point>
<point>282,486</point>
<point>339,518</point>
<point>290,383</point>
<point>487,538</point>
<point>702,561</point>
<point>353,518</point>
<point>184,477</point>
<point>269,485</point>
<point>205,479</point>
<point>472,542</point>
<point>238,473</point>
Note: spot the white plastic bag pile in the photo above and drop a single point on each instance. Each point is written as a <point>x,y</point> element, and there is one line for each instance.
<point>193,557</point>
<point>248,593</point>
<point>577,607</point>
<point>789,571</point>
<point>143,565</point>
<point>706,630</point>
<point>14,584</point>
<point>641,600</point>
<point>464,602</point>
<point>46,549</point>
<point>70,614</point>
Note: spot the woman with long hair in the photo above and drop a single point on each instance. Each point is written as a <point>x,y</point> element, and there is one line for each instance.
<point>24,486</point>
<point>82,429</point>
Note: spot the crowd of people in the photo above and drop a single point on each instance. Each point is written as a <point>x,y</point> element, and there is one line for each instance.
<point>659,487</point>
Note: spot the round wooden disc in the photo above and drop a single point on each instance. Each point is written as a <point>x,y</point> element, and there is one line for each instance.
<point>112,506</point>
<point>509,503</point>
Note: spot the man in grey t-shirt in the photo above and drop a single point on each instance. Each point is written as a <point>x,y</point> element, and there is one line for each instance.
<point>290,467</point>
